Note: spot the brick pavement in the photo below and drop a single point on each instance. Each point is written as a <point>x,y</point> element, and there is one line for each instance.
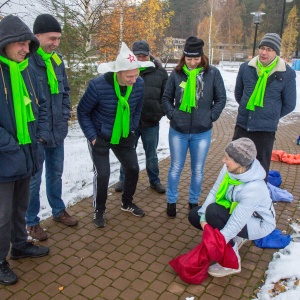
<point>128,259</point>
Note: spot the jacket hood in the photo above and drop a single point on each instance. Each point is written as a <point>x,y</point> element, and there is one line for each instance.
<point>156,62</point>
<point>12,30</point>
<point>256,172</point>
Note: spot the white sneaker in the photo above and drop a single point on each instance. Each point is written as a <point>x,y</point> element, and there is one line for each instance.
<point>217,270</point>
<point>239,241</point>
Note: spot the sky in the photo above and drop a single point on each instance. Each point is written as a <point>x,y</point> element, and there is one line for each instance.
<point>27,10</point>
<point>78,179</point>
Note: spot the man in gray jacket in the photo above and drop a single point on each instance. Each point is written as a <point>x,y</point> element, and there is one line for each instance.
<point>51,71</point>
<point>266,91</point>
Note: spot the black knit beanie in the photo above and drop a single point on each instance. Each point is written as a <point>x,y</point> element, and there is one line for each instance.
<point>193,47</point>
<point>271,40</point>
<point>46,23</point>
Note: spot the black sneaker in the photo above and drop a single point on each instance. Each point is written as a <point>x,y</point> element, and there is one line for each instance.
<point>99,220</point>
<point>158,187</point>
<point>119,186</point>
<point>29,250</point>
<point>7,276</point>
<point>171,210</point>
<point>138,212</point>
<point>192,205</point>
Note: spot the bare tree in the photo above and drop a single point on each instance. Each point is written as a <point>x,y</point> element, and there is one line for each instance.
<point>21,8</point>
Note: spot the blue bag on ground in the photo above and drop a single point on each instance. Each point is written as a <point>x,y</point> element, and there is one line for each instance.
<point>274,178</point>
<point>275,240</point>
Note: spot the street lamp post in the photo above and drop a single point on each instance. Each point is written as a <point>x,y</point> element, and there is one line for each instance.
<point>256,18</point>
<point>282,16</point>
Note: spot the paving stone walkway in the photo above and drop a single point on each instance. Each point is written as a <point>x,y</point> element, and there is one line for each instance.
<point>128,259</point>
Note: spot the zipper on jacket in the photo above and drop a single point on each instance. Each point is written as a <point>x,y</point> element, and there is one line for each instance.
<point>4,85</point>
<point>257,215</point>
<point>36,99</point>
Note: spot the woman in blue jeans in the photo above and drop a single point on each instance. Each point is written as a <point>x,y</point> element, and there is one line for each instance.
<point>194,98</point>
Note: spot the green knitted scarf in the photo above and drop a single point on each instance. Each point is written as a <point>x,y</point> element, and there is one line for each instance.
<point>257,97</point>
<point>21,100</point>
<point>189,93</point>
<point>52,80</point>
<point>220,196</point>
<point>122,119</point>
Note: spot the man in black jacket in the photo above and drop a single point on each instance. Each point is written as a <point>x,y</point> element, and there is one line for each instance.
<point>155,79</point>
<point>23,128</point>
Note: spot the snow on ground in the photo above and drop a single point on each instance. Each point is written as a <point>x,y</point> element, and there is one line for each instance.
<point>78,181</point>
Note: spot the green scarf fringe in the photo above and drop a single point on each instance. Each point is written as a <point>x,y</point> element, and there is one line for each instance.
<point>257,97</point>
<point>52,79</point>
<point>189,94</point>
<point>220,196</point>
<point>21,99</point>
<point>122,119</point>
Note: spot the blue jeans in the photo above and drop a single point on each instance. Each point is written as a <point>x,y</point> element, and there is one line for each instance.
<point>54,164</point>
<point>179,143</point>
<point>150,137</point>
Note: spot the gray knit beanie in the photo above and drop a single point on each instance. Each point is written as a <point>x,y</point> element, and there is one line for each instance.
<point>242,151</point>
<point>271,40</point>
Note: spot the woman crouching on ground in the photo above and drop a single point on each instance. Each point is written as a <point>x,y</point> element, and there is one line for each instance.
<point>239,203</point>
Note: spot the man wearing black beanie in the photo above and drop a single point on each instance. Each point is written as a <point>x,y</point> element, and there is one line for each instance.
<point>51,71</point>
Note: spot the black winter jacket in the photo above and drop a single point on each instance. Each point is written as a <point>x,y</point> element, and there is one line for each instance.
<point>20,161</point>
<point>211,99</point>
<point>155,79</point>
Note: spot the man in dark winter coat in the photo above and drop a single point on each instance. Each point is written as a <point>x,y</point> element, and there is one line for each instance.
<point>266,91</point>
<point>155,79</point>
<point>51,71</point>
<point>23,127</point>
<point>108,114</point>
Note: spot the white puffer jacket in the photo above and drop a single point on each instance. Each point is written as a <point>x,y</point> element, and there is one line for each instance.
<point>255,208</point>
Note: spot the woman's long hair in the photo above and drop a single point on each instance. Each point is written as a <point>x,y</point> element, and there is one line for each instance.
<point>204,63</point>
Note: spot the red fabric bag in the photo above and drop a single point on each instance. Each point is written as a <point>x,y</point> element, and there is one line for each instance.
<point>192,267</point>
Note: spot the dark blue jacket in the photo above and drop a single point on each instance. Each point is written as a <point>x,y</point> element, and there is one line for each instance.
<point>58,105</point>
<point>21,161</point>
<point>97,108</point>
<point>211,99</point>
<point>279,100</point>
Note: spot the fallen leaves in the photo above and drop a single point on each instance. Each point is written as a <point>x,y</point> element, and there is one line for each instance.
<point>283,285</point>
